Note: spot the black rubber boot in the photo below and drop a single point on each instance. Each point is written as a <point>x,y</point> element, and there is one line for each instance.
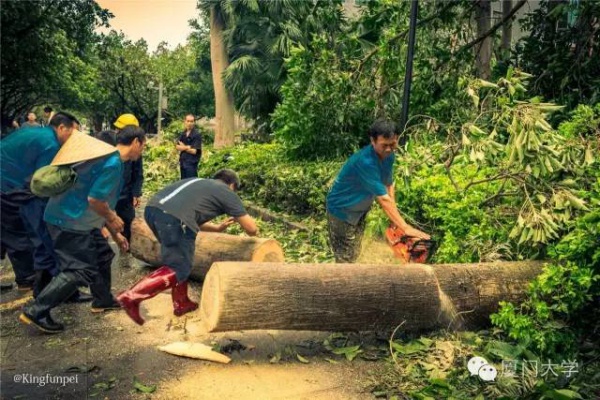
<point>100,287</point>
<point>43,278</point>
<point>80,297</point>
<point>45,324</point>
<point>56,292</point>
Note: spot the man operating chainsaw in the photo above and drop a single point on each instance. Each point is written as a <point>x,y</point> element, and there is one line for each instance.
<point>366,176</point>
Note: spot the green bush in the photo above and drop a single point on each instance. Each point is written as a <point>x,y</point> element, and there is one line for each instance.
<point>560,303</point>
<point>293,187</point>
<point>161,165</point>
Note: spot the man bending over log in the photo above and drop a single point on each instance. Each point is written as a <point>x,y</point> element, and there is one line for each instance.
<point>366,176</point>
<point>175,215</point>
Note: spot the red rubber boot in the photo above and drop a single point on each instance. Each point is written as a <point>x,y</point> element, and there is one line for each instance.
<point>181,302</point>
<point>146,288</point>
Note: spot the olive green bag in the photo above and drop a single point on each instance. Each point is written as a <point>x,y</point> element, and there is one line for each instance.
<point>53,180</point>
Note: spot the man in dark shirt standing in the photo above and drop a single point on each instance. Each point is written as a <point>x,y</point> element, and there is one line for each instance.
<point>189,146</point>
<point>175,215</point>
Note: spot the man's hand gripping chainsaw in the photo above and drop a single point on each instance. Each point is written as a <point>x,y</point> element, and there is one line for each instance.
<point>408,248</point>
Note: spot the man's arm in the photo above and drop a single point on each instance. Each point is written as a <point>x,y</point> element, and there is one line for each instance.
<point>185,148</point>
<point>210,227</point>
<point>389,207</point>
<point>113,222</point>
<point>391,191</point>
<point>248,224</point>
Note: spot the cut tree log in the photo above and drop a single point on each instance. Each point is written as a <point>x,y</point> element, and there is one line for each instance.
<point>359,297</point>
<point>210,247</point>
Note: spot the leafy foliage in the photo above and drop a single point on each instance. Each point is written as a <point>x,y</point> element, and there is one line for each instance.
<point>259,36</point>
<point>563,299</point>
<point>562,51</point>
<point>161,165</point>
<point>44,54</point>
<point>298,188</point>
<point>337,86</point>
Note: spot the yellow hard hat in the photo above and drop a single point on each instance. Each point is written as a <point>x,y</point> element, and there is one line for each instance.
<point>126,119</point>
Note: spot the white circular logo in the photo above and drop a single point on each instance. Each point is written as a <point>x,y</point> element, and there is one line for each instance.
<point>475,363</point>
<point>479,366</point>
<point>487,373</point>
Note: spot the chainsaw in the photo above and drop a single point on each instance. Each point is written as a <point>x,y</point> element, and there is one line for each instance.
<point>409,248</point>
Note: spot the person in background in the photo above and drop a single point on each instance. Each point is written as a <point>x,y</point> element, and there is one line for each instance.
<point>175,215</point>
<point>189,146</point>
<point>131,191</point>
<point>365,177</point>
<point>31,121</point>
<point>48,114</point>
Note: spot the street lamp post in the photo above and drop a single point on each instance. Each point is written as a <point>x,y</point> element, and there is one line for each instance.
<point>160,100</point>
<point>160,94</point>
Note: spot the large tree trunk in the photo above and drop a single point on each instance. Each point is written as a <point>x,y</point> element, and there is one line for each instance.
<point>484,49</point>
<point>357,297</point>
<point>224,107</point>
<point>210,247</point>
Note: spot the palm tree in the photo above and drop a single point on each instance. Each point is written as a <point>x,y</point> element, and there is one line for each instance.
<point>249,41</point>
<point>219,14</point>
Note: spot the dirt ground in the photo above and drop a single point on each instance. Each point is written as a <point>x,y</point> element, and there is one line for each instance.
<point>99,356</point>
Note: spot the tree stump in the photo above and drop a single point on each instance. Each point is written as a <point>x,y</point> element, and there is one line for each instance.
<point>210,247</point>
<point>359,297</point>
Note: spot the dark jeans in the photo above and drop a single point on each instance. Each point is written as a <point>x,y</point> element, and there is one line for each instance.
<point>15,239</point>
<point>345,239</point>
<point>188,170</point>
<point>32,213</point>
<point>126,212</point>
<point>85,257</point>
<point>177,241</point>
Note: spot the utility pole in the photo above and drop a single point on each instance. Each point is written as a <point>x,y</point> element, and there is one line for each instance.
<point>414,10</point>
<point>160,94</point>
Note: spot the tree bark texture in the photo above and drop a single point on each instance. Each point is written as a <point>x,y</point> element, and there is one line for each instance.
<point>484,49</point>
<point>224,107</point>
<point>210,247</point>
<point>506,28</point>
<point>359,297</point>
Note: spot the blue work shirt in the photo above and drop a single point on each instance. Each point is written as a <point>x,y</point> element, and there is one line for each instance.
<point>362,178</point>
<point>100,179</point>
<point>22,153</point>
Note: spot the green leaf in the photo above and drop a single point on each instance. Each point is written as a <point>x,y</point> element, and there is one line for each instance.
<point>276,358</point>
<point>561,394</point>
<point>439,382</point>
<point>350,352</point>
<point>413,347</point>
<point>140,387</point>
<point>302,359</point>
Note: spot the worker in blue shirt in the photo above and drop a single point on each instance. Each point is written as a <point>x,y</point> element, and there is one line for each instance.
<point>24,234</point>
<point>367,176</point>
<point>131,191</point>
<point>75,220</point>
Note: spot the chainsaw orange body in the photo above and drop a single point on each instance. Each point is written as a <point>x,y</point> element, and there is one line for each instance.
<point>408,248</point>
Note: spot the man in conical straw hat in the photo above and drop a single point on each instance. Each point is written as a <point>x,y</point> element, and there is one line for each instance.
<point>75,219</point>
<point>24,233</point>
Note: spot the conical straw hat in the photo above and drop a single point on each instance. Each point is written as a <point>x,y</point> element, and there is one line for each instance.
<point>81,147</point>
